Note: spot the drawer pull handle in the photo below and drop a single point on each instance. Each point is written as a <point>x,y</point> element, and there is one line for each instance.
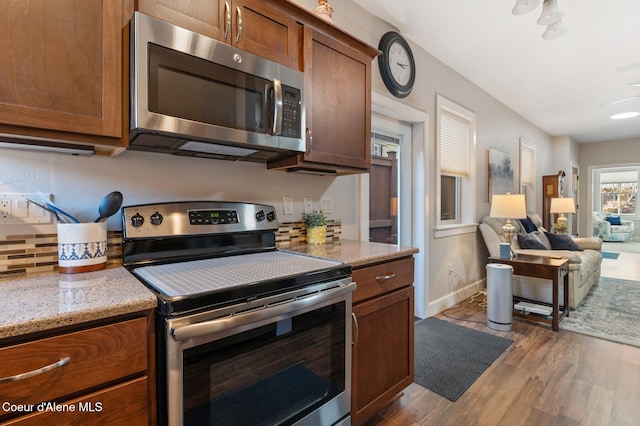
<point>32,373</point>
<point>385,277</point>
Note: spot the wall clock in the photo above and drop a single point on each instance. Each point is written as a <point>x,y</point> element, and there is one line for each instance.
<point>397,67</point>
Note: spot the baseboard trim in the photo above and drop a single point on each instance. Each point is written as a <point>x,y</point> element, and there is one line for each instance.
<point>437,306</point>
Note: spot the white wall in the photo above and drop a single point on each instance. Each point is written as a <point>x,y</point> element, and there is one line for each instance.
<point>78,183</point>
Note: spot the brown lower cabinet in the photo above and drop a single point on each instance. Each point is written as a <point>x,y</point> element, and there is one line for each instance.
<point>99,375</point>
<point>383,324</point>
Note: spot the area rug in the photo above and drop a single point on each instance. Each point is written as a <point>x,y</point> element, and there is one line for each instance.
<point>449,358</point>
<point>610,311</point>
<point>610,255</point>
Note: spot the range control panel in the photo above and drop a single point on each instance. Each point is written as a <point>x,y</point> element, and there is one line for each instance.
<point>196,218</point>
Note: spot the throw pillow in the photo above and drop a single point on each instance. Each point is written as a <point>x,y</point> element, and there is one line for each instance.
<point>561,242</point>
<point>528,225</point>
<point>530,241</point>
<point>614,220</point>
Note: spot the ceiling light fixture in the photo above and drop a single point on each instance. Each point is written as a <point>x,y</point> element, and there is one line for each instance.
<point>524,6</point>
<point>621,100</point>
<point>551,16</point>
<point>624,115</point>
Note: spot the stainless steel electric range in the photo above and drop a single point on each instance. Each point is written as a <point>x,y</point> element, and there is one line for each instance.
<point>246,334</point>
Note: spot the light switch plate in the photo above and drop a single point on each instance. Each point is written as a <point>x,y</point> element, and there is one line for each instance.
<point>288,204</point>
<point>16,209</point>
<point>326,205</point>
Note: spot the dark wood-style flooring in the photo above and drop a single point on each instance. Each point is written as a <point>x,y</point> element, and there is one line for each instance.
<point>543,378</point>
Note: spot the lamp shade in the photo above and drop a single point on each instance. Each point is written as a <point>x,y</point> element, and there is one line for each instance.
<point>562,205</point>
<point>508,206</point>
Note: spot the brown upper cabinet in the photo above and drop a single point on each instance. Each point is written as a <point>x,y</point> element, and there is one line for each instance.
<point>338,107</point>
<point>61,63</point>
<point>65,72</point>
<point>258,27</point>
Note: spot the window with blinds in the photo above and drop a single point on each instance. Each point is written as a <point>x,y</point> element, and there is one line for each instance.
<point>455,150</point>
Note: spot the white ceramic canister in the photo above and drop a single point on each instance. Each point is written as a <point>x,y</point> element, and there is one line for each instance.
<point>82,247</point>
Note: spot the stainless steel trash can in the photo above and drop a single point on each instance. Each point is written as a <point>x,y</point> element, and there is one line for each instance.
<point>499,296</point>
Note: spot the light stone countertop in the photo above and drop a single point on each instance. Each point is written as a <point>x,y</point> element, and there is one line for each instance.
<point>46,302</point>
<point>355,253</point>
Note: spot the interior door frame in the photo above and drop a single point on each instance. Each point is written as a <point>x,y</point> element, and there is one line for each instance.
<point>417,187</point>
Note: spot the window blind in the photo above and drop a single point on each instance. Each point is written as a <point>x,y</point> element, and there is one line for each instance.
<point>454,145</point>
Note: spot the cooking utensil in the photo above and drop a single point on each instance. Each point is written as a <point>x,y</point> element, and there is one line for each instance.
<point>109,205</point>
<point>50,204</point>
<point>43,207</point>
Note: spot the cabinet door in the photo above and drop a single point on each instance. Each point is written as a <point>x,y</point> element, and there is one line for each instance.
<point>61,65</point>
<point>265,31</point>
<point>250,25</point>
<point>338,85</point>
<point>382,353</point>
<point>206,17</point>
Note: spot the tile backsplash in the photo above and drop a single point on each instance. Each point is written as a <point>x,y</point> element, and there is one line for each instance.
<point>22,255</point>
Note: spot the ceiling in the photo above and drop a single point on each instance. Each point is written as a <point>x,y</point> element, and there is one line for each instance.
<point>564,86</point>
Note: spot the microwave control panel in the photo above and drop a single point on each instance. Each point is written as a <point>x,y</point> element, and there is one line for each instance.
<point>291,114</point>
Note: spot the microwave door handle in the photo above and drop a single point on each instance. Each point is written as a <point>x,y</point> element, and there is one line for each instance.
<point>277,107</point>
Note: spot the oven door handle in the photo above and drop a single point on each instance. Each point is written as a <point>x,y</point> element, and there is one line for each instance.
<point>217,325</point>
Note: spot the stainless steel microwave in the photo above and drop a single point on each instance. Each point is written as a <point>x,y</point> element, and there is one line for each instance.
<point>192,95</point>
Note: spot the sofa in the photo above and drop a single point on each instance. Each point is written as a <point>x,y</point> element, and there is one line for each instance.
<point>584,260</point>
<point>610,227</point>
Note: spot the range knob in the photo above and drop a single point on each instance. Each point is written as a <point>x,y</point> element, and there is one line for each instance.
<point>137,220</point>
<point>156,218</point>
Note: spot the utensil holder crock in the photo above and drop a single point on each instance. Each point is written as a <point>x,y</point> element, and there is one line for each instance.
<point>82,247</point>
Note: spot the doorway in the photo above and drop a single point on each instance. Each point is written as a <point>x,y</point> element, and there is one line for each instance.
<point>383,188</point>
<point>391,117</point>
<point>390,181</point>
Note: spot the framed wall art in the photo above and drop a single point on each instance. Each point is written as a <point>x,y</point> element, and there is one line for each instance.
<point>500,173</point>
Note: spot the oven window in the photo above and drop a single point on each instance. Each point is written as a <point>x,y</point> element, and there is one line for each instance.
<point>189,87</point>
<point>274,374</point>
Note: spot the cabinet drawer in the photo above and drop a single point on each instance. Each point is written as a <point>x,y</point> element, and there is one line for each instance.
<point>123,404</point>
<point>95,356</point>
<point>382,278</point>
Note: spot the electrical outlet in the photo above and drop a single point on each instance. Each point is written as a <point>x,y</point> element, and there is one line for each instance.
<point>288,204</point>
<point>308,205</point>
<point>5,209</point>
<point>16,209</point>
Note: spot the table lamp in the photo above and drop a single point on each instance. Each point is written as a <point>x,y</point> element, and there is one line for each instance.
<point>508,206</point>
<point>562,205</point>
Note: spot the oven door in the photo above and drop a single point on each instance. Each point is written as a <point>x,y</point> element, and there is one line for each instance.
<point>284,360</point>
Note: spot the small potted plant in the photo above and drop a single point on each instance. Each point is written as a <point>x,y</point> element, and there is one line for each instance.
<point>316,224</point>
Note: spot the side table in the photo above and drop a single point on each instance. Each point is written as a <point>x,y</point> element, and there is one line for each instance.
<point>551,268</point>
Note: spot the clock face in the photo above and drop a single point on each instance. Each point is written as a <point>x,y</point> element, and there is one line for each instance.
<point>399,64</point>
<point>397,67</point>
